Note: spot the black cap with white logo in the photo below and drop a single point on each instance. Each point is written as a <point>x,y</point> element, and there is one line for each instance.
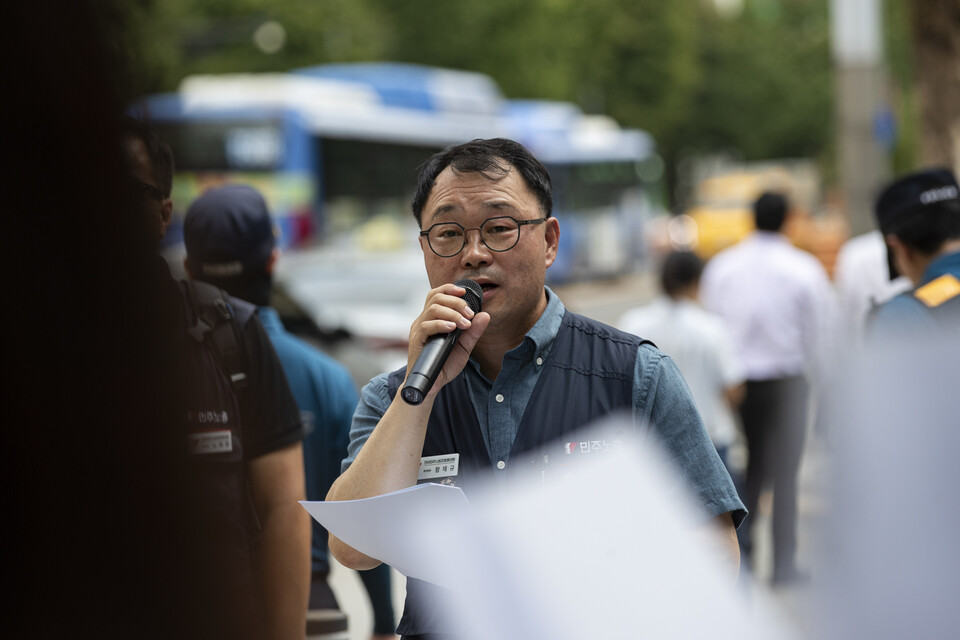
<point>915,193</point>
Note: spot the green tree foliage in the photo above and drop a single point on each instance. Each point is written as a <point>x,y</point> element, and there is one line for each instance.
<point>766,86</point>
<point>755,83</point>
<point>633,59</point>
<point>175,38</point>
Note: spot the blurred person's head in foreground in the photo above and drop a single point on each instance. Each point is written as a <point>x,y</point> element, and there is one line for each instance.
<point>149,177</point>
<point>919,217</point>
<point>770,211</point>
<point>680,274</point>
<point>231,242</point>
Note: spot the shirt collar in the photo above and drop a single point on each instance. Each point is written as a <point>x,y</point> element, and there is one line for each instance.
<point>269,318</point>
<point>541,335</point>
<point>761,235</point>
<point>546,328</point>
<point>949,263</point>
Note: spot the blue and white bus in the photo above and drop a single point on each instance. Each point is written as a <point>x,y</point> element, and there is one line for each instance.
<point>335,148</point>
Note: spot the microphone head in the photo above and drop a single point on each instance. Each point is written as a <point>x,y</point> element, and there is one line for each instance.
<point>474,294</point>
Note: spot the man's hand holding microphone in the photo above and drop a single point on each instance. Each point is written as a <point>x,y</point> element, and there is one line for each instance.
<point>442,338</point>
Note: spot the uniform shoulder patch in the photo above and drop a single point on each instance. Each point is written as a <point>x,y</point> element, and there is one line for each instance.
<point>938,291</point>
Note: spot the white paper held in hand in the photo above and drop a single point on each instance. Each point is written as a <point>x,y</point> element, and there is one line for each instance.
<point>390,527</point>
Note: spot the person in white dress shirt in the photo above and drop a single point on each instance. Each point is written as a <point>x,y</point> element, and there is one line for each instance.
<point>698,341</point>
<point>862,282</point>
<point>778,303</point>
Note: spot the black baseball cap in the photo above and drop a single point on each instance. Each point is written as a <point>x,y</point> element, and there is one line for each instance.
<point>228,232</point>
<point>911,195</point>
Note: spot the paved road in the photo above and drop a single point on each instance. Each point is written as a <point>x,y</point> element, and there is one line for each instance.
<point>607,300</point>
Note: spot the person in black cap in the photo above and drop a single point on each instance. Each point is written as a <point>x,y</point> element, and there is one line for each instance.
<point>241,443</point>
<point>919,216</point>
<point>231,243</point>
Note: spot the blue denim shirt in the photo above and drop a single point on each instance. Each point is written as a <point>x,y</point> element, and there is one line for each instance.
<point>662,403</point>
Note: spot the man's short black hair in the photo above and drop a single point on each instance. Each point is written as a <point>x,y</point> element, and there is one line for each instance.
<point>493,159</point>
<point>161,158</point>
<point>922,209</point>
<point>928,231</point>
<point>679,270</point>
<point>770,211</point>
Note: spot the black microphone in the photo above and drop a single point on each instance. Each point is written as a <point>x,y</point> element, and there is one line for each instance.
<point>437,350</point>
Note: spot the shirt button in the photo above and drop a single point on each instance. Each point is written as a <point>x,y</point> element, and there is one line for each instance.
<point>499,399</point>
<point>539,361</point>
<point>501,464</point>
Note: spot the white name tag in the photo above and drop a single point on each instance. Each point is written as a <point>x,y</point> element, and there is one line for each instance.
<point>202,442</point>
<point>438,466</point>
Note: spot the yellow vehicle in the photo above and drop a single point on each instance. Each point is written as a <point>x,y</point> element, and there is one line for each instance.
<point>722,212</point>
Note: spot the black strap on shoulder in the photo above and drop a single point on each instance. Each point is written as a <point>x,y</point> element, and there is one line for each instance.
<point>214,316</point>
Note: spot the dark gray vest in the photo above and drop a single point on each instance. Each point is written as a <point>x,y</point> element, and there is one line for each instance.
<point>588,375</point>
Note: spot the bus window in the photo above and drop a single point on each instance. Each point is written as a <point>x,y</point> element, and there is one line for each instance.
<point>367,188</point>
<point>601,207</point>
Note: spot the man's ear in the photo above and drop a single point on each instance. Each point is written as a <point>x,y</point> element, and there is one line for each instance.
<point>272,260</point>
<point>166,214</point>
<point>904,257</point>
<point>552,237</point>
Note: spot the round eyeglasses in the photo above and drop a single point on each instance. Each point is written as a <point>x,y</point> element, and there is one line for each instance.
<point>447,239</point>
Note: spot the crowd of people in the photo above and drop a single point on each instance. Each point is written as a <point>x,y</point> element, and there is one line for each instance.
<point>738,349</point>
<point>161,432</point>
<point>217,421</point>
<point>231,244</point>
<point>764,314</point>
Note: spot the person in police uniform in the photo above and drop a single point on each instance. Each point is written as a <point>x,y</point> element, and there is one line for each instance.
<point>919,216</point>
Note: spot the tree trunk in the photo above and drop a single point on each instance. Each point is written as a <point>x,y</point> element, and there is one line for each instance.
<point>936,39</point>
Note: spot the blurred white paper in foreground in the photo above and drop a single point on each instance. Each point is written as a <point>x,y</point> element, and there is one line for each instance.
<point>609,549</point>
<point>601,545</point>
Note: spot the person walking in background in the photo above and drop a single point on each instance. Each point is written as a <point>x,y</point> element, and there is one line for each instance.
<point>231,243</point>
<point>698,341</point>
<point>862,283</point>
<point>777,302</point>
<point>919,215</point>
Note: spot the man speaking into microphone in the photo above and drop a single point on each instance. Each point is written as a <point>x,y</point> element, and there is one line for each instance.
<point>522,372</point>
